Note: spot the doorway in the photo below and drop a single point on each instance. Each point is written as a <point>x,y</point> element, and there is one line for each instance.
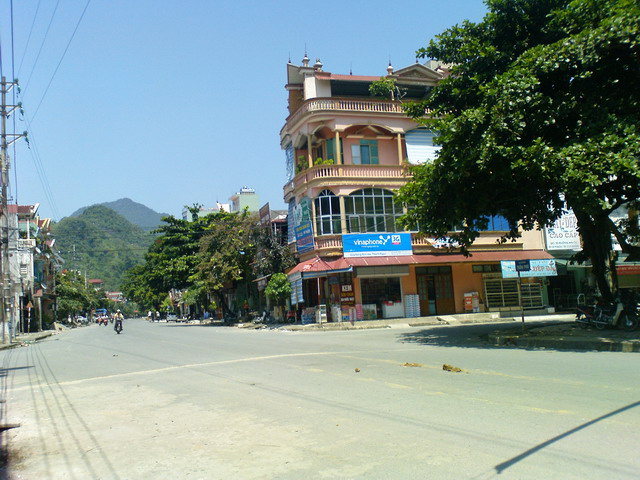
<point>435,290</point>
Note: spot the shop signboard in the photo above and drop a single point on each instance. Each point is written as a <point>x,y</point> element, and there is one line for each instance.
<point>563,234</point>
<point>628,269</point>
<point>376,244</point>
<point>304,237</point>
<point>537,268</point>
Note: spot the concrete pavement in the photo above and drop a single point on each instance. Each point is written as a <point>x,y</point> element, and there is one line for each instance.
<point>554,331</point>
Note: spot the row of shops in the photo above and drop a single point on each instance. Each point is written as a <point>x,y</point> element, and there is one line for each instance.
<point>367,288</point>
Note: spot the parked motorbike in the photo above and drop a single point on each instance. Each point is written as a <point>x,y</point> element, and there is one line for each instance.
<point>612,315</point>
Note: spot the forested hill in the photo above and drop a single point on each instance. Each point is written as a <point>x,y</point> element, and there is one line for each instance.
<point>135,212</point>
<point>101,243</point>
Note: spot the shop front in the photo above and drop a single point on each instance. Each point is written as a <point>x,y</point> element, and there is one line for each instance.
<point>377,287</point>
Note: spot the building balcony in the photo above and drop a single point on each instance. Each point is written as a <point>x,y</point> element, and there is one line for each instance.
<point>390,176</point>
<point>367,106</point>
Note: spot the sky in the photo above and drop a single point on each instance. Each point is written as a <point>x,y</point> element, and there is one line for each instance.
<point>172,103</point>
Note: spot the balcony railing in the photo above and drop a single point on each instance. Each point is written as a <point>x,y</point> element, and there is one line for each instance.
<point>350,105</point>
<point>345,172</point>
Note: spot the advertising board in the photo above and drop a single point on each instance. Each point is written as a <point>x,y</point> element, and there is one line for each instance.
<point>376,244</point>
<point>537,268</point>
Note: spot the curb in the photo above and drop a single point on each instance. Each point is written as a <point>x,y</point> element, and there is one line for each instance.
<point>564,343</point>
<point>22,341</point>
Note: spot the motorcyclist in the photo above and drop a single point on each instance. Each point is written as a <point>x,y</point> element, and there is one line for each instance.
<point>118,321</point>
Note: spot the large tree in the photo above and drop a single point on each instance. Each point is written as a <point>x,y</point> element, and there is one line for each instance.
<point>227,253</point>
<point>541,108</point>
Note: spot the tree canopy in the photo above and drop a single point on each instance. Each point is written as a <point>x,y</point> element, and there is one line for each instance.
<point>541,108</point>
<point>206,258</point>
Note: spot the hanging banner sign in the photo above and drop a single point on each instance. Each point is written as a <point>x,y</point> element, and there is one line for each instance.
<point>304,237</point>
<point>537,268</point>
<point>376,244</point>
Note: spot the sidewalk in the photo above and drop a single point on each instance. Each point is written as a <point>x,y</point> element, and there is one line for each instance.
<point>555,331</point>
<point>23,339</point>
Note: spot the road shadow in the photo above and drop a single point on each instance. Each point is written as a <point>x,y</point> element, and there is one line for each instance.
<point>500,468</point>
<point>472,336</point>
<point>466,336</point>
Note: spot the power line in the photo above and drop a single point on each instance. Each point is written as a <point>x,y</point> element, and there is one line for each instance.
<point>24,53</point>
<point>41,47</point>
<point>61,58</point>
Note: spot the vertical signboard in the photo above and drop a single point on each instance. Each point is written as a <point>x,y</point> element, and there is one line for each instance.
<point>304,237</point>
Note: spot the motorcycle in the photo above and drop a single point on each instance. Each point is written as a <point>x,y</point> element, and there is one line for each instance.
<point>118,326</point>
<point>613,315</point>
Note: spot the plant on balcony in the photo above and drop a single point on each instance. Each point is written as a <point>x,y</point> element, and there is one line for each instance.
<point>301,164</point>
<point>323,161</point>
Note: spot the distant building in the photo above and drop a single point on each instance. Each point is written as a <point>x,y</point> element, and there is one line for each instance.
<point>115,296</point>
<point>95,283</point>
<point>219,207</point>
<point>245,198</point>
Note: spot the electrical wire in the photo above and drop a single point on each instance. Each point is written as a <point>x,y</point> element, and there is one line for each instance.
<point>61,59</point>
<point>13,92</point>
<point>41,47</point>
<point>26,47</point>
<point>42,175</point>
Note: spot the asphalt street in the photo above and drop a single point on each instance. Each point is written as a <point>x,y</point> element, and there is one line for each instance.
<point>202,402</point>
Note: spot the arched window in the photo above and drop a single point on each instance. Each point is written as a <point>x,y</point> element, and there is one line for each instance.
<point>372,210</point>
<point>327,213</point>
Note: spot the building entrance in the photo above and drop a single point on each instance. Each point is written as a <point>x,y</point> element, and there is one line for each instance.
<point>435,290</point>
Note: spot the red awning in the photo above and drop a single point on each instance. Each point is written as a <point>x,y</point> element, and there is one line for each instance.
<point>439,258</point>
<point>318,264</point>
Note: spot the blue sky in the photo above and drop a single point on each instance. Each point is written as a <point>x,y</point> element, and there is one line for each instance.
<point>175,103</point>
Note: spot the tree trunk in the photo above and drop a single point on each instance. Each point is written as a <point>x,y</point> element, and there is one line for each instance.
<point>596,238</point>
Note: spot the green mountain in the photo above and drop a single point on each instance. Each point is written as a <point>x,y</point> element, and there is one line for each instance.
<point>135,212</point>
<point>101,244</point>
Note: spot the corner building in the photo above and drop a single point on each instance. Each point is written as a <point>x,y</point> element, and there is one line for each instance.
<point>346,154</point>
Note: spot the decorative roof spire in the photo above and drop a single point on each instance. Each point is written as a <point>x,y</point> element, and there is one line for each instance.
<point>318,65</point>
<point>305,60</point>
<point>390,68</point>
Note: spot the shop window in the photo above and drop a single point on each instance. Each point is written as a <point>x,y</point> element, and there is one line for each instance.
<point>489,268</point>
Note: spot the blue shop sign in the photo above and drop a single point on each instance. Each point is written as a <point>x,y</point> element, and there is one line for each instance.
<point>376,244</point>
<point>304,237</point>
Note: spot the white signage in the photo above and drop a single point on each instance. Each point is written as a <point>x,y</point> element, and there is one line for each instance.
<point>563,235</point>
<point>538,268</point>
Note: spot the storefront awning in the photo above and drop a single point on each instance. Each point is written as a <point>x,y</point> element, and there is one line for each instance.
<point>434,258</point>
<point>318,267</point>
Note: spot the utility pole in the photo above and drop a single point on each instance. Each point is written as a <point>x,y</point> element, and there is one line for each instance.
<point>6,139</point>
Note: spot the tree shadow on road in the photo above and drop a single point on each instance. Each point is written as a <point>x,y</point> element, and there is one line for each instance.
<point>464,336</point>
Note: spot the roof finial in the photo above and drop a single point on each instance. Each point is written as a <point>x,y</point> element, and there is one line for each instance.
<point>305,60</point>
<point>390,67</point>
<point>318,65</point>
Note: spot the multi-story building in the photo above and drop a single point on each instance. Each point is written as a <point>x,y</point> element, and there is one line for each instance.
<point>347,153</point>
<point>245,198</point>
<point>33,264</point>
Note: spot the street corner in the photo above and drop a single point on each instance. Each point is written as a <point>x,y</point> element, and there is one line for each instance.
<point>568,336</point>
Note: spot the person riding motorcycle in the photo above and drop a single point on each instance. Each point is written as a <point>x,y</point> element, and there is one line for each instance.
<point>118,321</point>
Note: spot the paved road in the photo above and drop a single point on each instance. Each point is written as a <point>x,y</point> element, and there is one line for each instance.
<point>165,401</point>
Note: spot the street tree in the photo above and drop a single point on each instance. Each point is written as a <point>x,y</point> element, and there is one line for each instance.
<point>227,252</point>
<point>75,297</point>
<point>278,289</point>
<point>540,112</point>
